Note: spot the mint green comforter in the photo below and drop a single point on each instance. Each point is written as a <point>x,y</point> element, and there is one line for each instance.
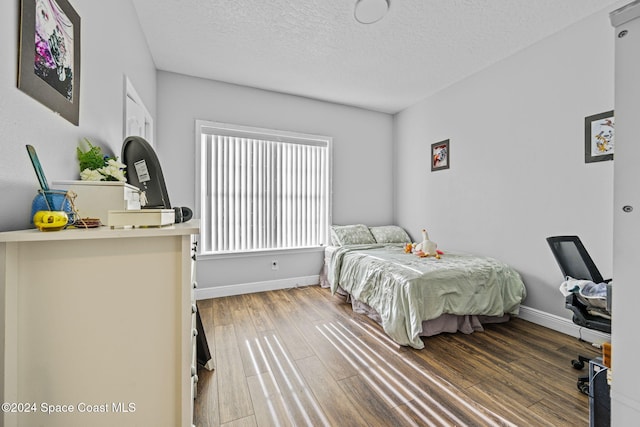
<point>405,289</point>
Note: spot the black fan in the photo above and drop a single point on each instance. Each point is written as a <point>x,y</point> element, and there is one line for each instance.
<point>144,172</point>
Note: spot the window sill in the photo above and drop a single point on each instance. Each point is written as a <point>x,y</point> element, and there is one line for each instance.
<point>258,253</point>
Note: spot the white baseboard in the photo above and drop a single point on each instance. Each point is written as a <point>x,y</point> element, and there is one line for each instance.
<point>248,288</point>
<point>563,325</point>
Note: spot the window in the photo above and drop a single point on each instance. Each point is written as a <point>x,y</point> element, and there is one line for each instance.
<point>262,189</point>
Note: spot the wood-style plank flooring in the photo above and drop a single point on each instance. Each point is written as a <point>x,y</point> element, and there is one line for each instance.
<point>302,357</point>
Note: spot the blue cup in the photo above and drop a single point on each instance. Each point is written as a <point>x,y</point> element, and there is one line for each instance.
<point>52,200</point>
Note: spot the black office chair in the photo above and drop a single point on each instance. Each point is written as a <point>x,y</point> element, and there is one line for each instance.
<point>575,262</point>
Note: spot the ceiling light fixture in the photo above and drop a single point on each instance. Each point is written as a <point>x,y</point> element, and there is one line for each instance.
<point>370,11</point>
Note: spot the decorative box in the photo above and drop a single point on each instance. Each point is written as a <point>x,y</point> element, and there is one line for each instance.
<point>141,218</point>
<point>96,198</point>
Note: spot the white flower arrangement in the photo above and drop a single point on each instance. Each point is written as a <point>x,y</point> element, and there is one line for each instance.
<point>94,166</point>
<point>91,175</point>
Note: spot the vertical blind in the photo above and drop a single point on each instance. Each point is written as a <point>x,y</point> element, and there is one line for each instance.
<point>260,193</point>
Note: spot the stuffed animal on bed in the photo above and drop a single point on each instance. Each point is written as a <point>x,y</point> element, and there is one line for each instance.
<point>426,247</point>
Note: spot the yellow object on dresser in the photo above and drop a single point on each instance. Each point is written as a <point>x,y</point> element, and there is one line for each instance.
<point>50,220</point>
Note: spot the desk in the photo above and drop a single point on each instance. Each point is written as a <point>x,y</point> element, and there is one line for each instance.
<point>98,326</point>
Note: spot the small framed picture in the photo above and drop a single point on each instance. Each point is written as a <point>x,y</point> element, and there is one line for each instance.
<point>440,155</point>
<point>599,137</point>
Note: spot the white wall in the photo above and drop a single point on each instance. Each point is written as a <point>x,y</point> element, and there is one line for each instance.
<point>112,45</point>
<point>517,170</point>
<point>362,170</point>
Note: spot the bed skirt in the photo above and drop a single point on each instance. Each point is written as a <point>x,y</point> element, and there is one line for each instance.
<point>450,323</point>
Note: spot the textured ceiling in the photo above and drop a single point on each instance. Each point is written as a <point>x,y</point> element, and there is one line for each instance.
<point>316,49</point>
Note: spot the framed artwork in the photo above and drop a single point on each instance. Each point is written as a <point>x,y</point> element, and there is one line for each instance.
<point>49,56</point>
<point>440,155</point>
<point>599,137</point>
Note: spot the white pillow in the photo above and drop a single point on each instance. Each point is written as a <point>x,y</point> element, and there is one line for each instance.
<point>356,234</point>
<point>390,234</point>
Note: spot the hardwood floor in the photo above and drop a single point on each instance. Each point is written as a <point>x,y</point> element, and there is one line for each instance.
<point>302,357</point>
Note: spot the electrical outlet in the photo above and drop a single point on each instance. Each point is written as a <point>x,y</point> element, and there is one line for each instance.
<point>275,265</point>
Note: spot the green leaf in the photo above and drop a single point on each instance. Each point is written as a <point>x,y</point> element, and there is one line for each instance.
<point>92,158</point>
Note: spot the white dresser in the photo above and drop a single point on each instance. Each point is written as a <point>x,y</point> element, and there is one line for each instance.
<point>98,327</point>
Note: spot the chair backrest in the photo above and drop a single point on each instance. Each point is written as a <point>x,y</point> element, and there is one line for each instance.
<point>573,258</point>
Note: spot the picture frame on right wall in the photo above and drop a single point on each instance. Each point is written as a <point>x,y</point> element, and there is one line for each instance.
<point>440,155</point>
<point>599,135</point>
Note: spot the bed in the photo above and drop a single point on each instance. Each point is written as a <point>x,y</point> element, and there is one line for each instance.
<point>411,296</point>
